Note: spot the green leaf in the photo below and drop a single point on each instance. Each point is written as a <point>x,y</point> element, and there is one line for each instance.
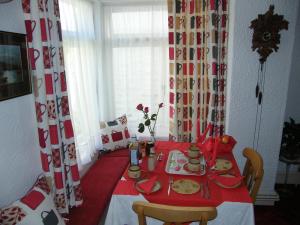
<point>153,116</point>
<point>146,116</point>
<point>141,128</point>
<point>147,122</point>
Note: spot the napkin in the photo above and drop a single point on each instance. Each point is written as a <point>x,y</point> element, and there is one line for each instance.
<point>201,137</point>
<point>208,149</point>
<point>226,181</point>
<point>148,185</point>
<point>225,148</point>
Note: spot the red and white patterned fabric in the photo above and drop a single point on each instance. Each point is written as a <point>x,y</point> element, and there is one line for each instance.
<point>55,131</point>
<point>198,34</point>
<point>114,134</point>
<point>35,208</point>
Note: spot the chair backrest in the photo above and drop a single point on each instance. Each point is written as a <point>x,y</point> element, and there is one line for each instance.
<point>253,171</point>
<point>173,214</point>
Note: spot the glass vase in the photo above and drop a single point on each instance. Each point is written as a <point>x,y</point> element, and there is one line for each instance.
<point>152,136</point>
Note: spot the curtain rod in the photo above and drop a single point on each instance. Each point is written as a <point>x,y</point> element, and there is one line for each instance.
<point>129,2</point>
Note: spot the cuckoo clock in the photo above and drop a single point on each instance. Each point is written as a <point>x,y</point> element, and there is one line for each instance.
<point>266,37</point>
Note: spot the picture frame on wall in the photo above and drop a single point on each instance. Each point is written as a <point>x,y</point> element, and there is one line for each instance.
<point>15,77</point>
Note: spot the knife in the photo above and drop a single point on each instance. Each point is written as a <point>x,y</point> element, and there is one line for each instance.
<point>207,190</point>
<point>201,190</point>
<point>170,183</point>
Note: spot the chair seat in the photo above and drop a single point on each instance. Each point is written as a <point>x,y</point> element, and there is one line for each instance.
<point>124,152</point>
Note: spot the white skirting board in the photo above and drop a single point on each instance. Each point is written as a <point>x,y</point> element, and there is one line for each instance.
<point>267,199</point>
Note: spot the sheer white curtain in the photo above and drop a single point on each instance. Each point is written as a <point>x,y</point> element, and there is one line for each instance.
<point>80,51</point>
<point>132,37</point>
<point>135,61</point>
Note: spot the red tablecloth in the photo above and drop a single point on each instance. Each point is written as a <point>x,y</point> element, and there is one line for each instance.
<point>217,194</point>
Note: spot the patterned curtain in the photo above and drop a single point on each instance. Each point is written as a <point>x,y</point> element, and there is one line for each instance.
<point>55,132</point>
<point>198,33</point>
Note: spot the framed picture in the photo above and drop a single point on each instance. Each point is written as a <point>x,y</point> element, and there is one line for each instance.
<point>14,69</point>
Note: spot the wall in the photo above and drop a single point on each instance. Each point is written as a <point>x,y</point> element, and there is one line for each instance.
<point>242,76</point>
<point>293,103</point>
<point>19,154</point>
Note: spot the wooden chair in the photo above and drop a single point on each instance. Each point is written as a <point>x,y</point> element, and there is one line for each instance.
<point>253,171</point>
<point>173,214</point>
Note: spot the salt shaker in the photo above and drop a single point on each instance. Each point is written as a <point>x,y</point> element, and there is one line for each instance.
<point>151,161</point>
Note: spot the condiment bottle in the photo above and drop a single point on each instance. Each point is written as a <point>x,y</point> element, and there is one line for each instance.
<point>151,161</point>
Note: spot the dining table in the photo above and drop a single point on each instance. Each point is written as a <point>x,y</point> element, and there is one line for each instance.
<point>234,205</point>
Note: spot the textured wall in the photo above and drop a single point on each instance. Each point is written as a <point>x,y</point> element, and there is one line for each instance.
<point>19,154</point>
<point>242,76</point>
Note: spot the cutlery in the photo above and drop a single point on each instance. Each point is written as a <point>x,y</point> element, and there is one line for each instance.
<point>201,190</point>
<point>170,183</point>
<point>207,196</point>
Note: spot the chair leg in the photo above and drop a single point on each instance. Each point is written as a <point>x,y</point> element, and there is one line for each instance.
<point>287,171</point>
<point>142,220</point>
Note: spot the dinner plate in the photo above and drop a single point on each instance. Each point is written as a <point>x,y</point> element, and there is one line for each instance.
<point>185,186</point>
<point>155,188</point>
<point>226,186</point>
<point>222,165</point>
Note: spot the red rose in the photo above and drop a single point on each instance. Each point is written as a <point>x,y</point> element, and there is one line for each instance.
<point>161,105</point>
<point>139,107</point>
<point>146,109</point>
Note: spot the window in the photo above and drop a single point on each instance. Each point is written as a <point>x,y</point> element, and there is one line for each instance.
<point>136,56</point>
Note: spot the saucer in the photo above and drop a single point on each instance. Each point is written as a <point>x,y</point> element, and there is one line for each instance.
<point>199,173</point>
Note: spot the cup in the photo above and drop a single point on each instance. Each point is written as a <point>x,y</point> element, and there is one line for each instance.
<point>34,54</point>
<point>53,134</point>
<point>43,29</point>
<point>37,83</point>
<point>171,53</point>
<point>58,179</point>
<point>49,84</point>
<point>61,56</point>
<point>46,57</point>
<point>56,158</point>
<point>30,27</point>
<point>26,6</point>
<point>194,165</point>
<point>171,82</point>
<point>50,25</point>
<point>51,109</point>
<point>65,105</point>
<point>56,8</point>
<point>46,160</point>
<point>40,110</point>
<point>43,135</point>
<point>193,151</point>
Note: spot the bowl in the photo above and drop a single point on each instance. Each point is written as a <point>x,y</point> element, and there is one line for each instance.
<point>134,172</point>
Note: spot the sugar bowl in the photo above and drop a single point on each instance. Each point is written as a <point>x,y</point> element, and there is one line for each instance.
<point>134,171</point>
